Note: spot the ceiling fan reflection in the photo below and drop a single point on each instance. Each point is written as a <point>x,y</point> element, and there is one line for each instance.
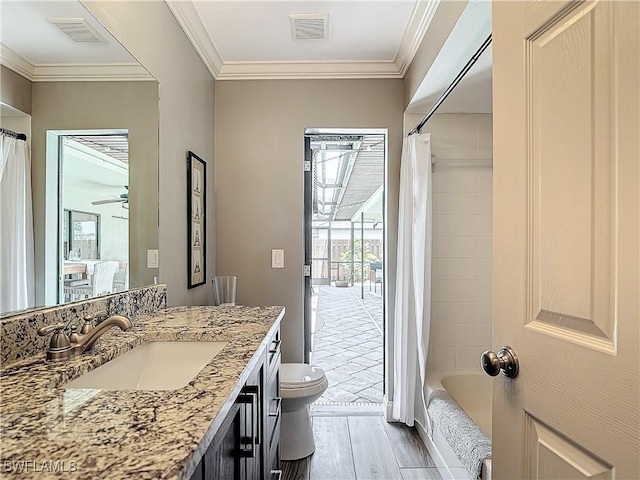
<point>124,199</point>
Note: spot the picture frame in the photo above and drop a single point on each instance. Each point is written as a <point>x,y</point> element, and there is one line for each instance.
<point>196,220</point>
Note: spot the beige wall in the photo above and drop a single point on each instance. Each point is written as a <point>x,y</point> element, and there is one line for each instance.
<point>15,90</point>
<point>259,178</point>
<point>444,20</point>
<point>102,105</point>
<point>150,32</point>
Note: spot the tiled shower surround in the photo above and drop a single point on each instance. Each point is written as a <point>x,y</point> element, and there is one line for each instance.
<point>19,332</point>
<point>462,268</point>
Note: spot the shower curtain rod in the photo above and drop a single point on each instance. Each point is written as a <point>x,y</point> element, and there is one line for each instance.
<point>474,58</point>
<point>19,136</point>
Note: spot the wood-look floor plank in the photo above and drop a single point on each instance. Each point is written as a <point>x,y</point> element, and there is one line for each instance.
<point>295,470</point>
<point>420,474</point>
<point>372,453</point>
<point>333,457</point>
<point>408,446</point>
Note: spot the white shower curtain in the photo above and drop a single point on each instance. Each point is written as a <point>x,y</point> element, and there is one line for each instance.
<point>413,277</point>
<point>17,273</point>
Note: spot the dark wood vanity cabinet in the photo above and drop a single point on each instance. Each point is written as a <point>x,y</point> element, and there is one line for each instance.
<point>247,446</point>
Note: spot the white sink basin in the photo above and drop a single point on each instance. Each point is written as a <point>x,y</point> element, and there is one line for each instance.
<point>151,366</point>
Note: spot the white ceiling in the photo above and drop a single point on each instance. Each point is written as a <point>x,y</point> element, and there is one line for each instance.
<point>258,32</point>
<point>34,48</point>
<point>241,39</point>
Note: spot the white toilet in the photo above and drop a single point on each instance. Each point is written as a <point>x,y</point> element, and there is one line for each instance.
<point>300,386</point>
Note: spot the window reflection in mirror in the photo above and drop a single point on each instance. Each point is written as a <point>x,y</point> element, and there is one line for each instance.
<point>81,238</point>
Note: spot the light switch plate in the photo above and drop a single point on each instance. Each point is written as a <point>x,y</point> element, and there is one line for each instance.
<point>277,258</point>
<point>152,259</point>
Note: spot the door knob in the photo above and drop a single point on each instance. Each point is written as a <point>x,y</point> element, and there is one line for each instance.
<point>506,361</point>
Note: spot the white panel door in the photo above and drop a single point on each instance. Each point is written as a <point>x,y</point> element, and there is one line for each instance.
<point>566,238</point>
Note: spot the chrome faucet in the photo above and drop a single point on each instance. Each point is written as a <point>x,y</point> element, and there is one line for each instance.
<point>63,347</point>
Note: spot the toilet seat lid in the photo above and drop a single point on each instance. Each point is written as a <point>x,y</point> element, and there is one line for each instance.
<point>300,375</point>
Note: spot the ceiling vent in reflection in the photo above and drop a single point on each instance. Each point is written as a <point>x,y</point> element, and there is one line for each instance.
<point>77,29</point>
<point>308,26</point>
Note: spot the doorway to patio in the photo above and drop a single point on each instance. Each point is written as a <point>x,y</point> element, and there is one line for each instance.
<point>344,250</point>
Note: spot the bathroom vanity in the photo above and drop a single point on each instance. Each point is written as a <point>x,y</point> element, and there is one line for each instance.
<point>246,446</point>
<point>224,423</point>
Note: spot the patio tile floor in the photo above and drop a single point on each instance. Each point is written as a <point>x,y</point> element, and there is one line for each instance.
<point>347,344</point>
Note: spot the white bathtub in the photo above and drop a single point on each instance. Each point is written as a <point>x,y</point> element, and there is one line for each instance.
<point>472,390</point>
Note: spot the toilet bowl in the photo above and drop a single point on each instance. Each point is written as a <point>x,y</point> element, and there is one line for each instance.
<point>300,386</point>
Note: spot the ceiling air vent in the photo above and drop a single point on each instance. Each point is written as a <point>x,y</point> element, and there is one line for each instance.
<point>308,26</point>
<point>77,29</point>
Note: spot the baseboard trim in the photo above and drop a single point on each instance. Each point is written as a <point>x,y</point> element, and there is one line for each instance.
<point>388,409</point>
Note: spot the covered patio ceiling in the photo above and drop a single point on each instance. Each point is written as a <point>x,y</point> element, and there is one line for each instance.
<point>348,170</point>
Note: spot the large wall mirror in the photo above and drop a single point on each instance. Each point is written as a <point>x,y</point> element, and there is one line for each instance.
<point>89,111</point>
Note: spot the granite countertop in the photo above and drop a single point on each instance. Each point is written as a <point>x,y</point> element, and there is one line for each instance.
<point>46,429</point>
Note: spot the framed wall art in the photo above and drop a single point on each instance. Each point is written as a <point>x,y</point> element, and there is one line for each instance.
<point>196,214</point>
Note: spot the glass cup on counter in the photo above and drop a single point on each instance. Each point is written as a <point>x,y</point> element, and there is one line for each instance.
<point>224,290</point>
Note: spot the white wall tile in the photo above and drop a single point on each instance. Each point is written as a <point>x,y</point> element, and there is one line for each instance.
<point>485,247</point>
<point>444,357</point>
<point>466,203</point>
<point>485,269</point>
<point>485,291</point>
<point>444,203</point>
<point>466,179</point>
<point>466,225</point>
<point>485,153</point>
<point>444,247</point>
<point>442,135</point>
<point>465,247</point>
<point>466,312</point>
<point>444,225</point>
<point>467,357</point>
<point>443,153</point>
<point>485,131</point>
<point>440,269</point>
<point>466,153</point>
<point>465,290</point>
<point>447,335</point>
<point>485,203</point>
<point>443,180</point>
<point>466,131</point>
<point>466,335</point>
<point>485,180</point>
<point>484,337</point>
<point>454,269</point>
<point>485,313</point>
<point>485,225</point>
<point>445,311</point>
<point>462,269</point>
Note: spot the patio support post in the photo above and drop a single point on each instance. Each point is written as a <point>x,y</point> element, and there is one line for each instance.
<point>362,255</point>
<point>353,253</point>
<point>329,262</point>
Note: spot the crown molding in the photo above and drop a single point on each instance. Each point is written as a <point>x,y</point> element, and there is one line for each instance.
<point>191,23</point>
<point>421,17</point>
<point>189,20</point>
<point>307,70</point>
<point>17,63</point>
<point>109,72</point>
